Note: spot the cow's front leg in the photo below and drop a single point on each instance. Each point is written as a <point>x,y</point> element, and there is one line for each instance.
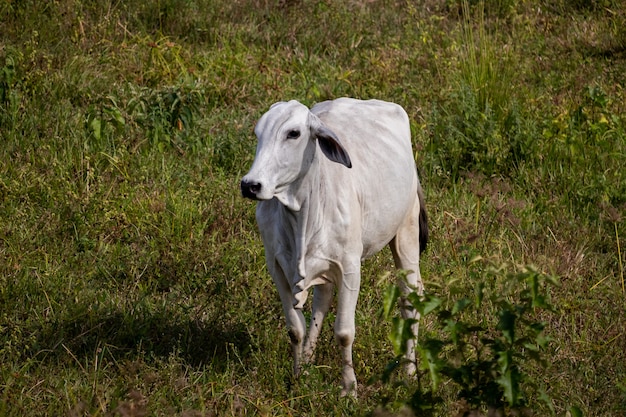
<point>345,329</point>
<point>296,328</point>
<point>296,323</point>
<point>322,297</point>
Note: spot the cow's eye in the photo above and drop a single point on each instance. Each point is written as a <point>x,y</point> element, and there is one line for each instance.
<point>293,134</point>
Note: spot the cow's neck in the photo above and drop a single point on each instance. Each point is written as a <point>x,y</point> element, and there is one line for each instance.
<point>303,200</point>
<point>311,198</point>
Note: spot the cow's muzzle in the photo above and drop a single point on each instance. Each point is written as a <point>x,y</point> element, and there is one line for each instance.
<point>250,189</point>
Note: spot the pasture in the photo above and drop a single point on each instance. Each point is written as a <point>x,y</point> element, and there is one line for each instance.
<point>132,276</point>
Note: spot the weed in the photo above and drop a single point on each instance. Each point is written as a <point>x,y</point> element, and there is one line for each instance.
<point>484,66</point>
<point>105,122</point>
<point>484,356</point>
<point>585,137</point>
<point>165,115</point>
<point>466,137</point>
<point>481,127</point>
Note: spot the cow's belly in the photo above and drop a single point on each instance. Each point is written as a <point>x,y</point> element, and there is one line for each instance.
<point>383,216</point>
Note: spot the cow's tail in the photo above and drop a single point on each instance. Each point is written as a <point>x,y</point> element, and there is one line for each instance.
<point>423,218</point>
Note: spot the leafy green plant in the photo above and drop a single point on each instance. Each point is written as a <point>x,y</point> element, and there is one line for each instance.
<point>583,138</point>
<point>104,121</point>
<point>166,115</point>
<point>483,355</point>
<point>466,137</point>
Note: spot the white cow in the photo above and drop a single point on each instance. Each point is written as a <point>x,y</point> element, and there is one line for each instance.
<point>337,183</point>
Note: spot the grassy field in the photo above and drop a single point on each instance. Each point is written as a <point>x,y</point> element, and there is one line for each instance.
<point>132,278</point>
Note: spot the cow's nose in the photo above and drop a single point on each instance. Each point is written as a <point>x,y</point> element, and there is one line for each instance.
<point>250,189</point>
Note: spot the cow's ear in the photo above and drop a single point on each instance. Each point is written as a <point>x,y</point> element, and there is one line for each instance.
<point>332,148</point>
<point>329,143</point>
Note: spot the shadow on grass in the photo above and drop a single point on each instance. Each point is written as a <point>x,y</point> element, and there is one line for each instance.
<point>160,334</point>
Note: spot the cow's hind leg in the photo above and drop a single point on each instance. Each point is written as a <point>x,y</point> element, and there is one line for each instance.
<point>345,328</point>
<point>406,252</point>
<point>322,297</point>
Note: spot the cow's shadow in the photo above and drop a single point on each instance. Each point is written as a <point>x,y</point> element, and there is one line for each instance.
<point>158,334</point>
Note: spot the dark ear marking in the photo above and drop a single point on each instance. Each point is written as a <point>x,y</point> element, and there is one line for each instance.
<point>329,143</point>
<point>333,150</point>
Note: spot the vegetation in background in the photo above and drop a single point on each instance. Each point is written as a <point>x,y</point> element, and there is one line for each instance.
<point>132,278</point>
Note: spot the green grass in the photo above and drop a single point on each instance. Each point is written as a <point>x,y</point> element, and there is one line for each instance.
<point>132,278</point>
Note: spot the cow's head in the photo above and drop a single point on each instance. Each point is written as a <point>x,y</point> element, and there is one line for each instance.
<point>288,135</point>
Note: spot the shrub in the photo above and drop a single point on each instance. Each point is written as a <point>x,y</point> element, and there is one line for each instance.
<point>480,126</point>
<point>585,152</point>
<point>466,137</point>
<point>482,346</point>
